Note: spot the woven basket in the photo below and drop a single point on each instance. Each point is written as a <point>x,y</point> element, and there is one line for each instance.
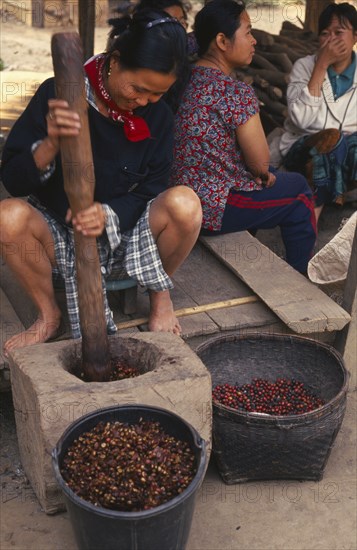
<point>251,446</point>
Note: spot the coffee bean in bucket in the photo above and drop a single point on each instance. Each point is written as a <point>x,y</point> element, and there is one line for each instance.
<point>281,398</point>
<point>128,467</point>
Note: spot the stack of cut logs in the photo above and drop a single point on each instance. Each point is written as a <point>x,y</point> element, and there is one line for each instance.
<point>271,66</point>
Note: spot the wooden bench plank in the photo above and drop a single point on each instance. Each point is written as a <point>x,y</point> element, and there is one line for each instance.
<point>302,306</point>
<point>203,279</point>
<point>192,325</point>
<point>206,280</point>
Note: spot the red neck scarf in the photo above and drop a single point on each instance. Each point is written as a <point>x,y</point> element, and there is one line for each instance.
<point>135,127</point>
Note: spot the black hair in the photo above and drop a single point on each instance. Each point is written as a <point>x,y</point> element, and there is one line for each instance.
<point>215,17</point>
<point>345,13</point>
<point>150,39</point>
<point>161,5</point>
<point>130,8</point>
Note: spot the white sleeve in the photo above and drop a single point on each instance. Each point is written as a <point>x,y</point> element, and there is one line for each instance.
<point>302,106</point>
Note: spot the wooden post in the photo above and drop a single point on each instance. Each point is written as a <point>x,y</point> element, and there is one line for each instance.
<point>78,174</point>
<point>86,24</point>
<point>312,14</point>
<point>38,13</point>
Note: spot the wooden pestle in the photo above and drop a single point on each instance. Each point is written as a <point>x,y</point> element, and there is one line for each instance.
<point>79,182</point>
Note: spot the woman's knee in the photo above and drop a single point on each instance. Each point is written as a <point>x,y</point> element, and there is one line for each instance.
<point>183,205</point>
<point>14,217</point>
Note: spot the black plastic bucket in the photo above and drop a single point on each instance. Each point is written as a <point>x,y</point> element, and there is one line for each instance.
<point>165,527</point>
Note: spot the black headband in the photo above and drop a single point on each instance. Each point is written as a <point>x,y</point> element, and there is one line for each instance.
<point>161,21</point>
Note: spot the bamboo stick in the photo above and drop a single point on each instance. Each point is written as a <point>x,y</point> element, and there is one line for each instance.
<point>194,309</point>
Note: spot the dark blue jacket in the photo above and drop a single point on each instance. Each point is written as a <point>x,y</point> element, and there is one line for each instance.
<point>127,174</point>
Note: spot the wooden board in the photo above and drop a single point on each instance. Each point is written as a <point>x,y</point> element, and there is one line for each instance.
<point>192,325</point>
<point>303,307</point>
<point>206,280</point>
<point>118,315</point>
<point>203,279</point>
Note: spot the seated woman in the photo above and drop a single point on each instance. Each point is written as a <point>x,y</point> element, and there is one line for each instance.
<point>174,8</point>
<point>220,147</point>
<point>320,138</point>
<point>144,229</point>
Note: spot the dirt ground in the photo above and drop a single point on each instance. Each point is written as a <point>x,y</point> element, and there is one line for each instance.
<point>24,48</point>
<point>26,52</point>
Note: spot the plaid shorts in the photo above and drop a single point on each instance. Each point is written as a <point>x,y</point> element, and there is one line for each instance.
<point>132,254</point>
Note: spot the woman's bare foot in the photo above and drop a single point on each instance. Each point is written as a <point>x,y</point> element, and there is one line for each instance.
<point>41,331</point>
<point>162,315</point>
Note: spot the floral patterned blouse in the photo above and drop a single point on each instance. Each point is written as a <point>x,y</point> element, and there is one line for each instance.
<point>206,155</point>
